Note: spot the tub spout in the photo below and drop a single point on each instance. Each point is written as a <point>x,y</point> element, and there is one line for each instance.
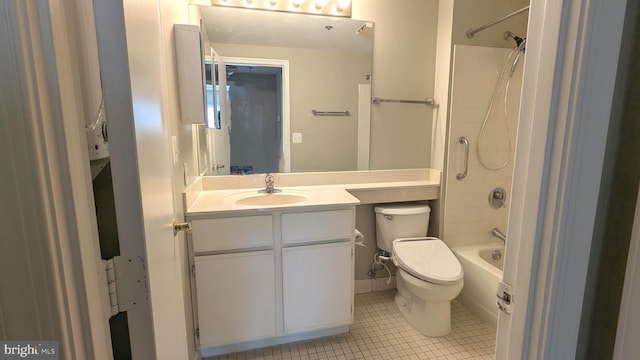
<point>499,234</point>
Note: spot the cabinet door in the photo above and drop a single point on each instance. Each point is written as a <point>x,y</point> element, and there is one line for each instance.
<point>236,297</point>
<point>318,286</point>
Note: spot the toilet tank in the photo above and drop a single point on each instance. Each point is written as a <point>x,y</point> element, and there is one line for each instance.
<point>395,221</point>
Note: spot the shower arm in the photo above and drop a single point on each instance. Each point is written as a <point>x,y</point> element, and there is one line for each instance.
<point>474,31</point>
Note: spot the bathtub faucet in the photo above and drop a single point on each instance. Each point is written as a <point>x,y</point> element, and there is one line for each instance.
<point>499,234</point>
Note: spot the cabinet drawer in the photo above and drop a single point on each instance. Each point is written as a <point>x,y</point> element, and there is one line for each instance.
<point>317,226</point>
<point>232,233</point>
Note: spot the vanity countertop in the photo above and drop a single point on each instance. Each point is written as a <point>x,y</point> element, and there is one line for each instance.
<point>221,194</point>
<point>223,201</point>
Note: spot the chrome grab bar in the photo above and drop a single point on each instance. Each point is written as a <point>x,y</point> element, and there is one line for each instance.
<point>462,175</point>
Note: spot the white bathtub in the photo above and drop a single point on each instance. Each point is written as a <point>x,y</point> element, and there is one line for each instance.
<point>481,276</point>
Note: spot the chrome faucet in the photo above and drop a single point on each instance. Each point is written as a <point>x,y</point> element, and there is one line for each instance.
<point>499,234</point>
<point>268,181</point>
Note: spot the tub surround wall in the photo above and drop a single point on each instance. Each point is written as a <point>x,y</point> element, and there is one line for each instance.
<point>455,17</point>
<point>468,218</point>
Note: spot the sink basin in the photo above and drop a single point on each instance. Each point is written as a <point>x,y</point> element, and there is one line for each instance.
<point>271,199</point>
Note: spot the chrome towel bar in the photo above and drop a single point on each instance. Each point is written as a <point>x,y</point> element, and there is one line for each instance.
<point>377,100</point>
<point>330,113</point>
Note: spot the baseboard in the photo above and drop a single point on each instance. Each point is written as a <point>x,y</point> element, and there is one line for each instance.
<point>372,285</point>
<point>285,339</point>
<point>478,310</point>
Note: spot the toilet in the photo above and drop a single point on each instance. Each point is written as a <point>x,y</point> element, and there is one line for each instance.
<point>429,275</point>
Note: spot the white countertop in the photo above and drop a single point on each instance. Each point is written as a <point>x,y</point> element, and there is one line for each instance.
<point>340,189</point>
<point>222,201</point>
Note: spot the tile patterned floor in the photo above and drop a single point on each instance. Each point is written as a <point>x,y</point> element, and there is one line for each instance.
<point>381,332</point>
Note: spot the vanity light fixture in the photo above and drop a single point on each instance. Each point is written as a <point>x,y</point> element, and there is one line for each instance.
<point>338,8</point>
<point>320,4</point>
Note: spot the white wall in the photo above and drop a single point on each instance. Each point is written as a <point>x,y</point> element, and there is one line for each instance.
<point>404,54</point>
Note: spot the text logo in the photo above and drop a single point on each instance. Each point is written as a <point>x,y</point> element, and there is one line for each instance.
<point>32,350</point>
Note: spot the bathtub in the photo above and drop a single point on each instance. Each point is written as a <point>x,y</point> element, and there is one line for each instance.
<point>481,276</point>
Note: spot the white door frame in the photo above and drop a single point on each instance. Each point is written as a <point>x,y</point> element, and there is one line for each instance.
<point>569,80</point>
<point>554,197</point>
<point>286,122</point>
<point>50,101</point>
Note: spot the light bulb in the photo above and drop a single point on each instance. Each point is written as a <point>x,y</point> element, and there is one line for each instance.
<point>273,2</point>
<point>296,3</point>
<point>343,4</point>
<point>320,4</point>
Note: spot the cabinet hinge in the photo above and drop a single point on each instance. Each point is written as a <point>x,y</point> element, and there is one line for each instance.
<point>193,270</point>
<point>504,297</point>
<point>198,333</point>
<point>126,283</point>
<point>352,309</point>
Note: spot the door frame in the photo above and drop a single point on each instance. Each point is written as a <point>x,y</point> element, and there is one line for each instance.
<point>53,131</point>
<point>628,331</point>
<point>547,95</point>
<point>286,111</point>
<point>568,87</point>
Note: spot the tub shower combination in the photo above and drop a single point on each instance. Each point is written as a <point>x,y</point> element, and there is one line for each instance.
<point>482,266</point>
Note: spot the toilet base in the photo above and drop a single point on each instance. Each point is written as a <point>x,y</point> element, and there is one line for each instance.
<point>428,318</point>
<point>426,306</point>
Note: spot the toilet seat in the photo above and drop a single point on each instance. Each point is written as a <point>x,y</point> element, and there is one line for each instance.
<point>428,259</point>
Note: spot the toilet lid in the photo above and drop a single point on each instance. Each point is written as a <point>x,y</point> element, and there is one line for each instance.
<point>428,259</point>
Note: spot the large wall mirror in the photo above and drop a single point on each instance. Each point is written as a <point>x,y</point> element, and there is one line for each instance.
<point>298,89</point>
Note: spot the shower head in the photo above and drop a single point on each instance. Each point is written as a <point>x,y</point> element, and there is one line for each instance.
<point>508,35</point>
<point>519,51</point>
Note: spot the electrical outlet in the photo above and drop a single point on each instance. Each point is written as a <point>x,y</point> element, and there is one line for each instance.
<point>297,138</point>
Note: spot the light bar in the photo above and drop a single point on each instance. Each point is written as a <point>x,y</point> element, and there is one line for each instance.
<point>339,8</point>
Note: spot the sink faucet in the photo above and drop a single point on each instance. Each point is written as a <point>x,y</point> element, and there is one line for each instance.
<point>499,234</point>
<point>268,181</point>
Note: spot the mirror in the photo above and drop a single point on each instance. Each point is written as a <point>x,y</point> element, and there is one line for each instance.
<point>298,90</point>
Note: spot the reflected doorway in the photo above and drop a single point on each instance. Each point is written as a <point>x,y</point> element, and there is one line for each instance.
<point>259,127</point>
<point>255,94</point>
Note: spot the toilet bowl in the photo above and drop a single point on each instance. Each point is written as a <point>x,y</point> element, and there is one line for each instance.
<point>429,276</point>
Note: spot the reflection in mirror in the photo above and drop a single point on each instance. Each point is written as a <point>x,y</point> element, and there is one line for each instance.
<point>280,68</point>
<point>201,151</point>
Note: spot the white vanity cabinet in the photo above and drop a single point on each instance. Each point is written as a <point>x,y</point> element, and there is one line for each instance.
<point>271,277</point>
<point>317,294</point>
<point>236,297</point>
